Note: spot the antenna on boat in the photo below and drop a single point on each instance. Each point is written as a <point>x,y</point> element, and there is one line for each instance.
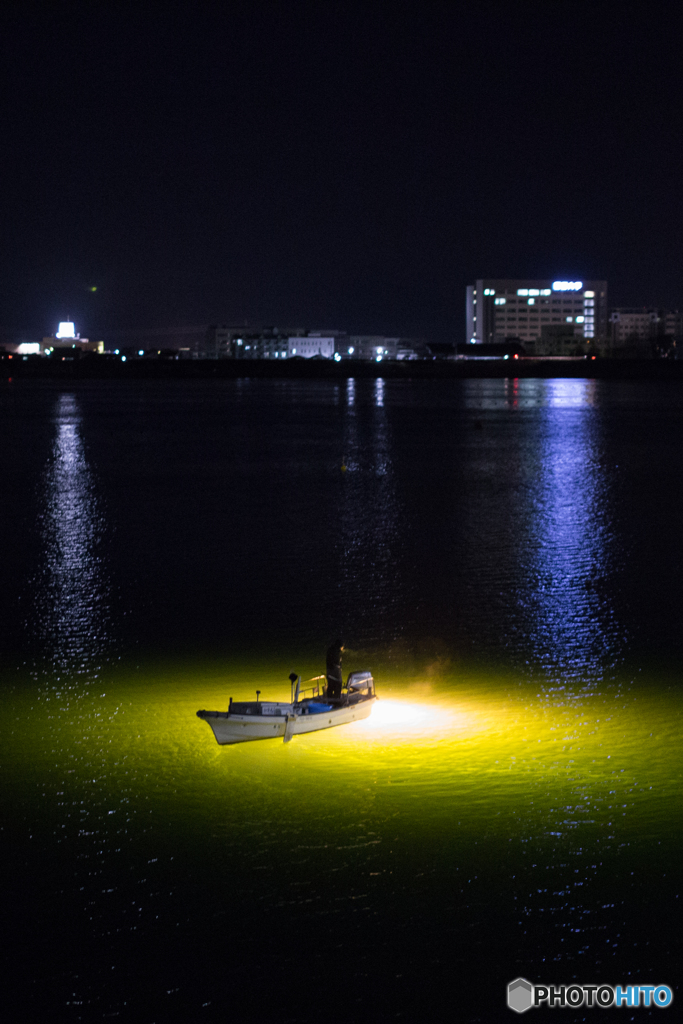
<point>258,694</point>
<point>294,693</point>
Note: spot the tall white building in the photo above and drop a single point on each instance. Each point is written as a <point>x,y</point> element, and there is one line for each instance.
<point>548,317</point>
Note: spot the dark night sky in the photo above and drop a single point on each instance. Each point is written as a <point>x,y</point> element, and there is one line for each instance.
<point>333,164</point>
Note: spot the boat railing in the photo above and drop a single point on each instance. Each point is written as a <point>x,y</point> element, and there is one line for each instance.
<point>311,691</point>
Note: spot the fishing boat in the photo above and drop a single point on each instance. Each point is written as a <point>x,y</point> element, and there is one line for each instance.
<point>309,710</point>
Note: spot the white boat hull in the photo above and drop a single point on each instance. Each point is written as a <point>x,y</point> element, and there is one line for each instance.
<point>230,728</point>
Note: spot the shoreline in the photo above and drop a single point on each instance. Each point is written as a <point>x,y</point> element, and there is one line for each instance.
<point>89,367</point>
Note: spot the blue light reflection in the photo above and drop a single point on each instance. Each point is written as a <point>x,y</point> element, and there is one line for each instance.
<point>575,634</point>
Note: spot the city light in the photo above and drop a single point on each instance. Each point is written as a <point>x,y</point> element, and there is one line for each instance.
<point>67,329</point>
<point>567,286</point>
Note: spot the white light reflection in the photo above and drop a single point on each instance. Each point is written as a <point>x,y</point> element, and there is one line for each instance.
<point>396,720</point>
<point>574,630</point>
<point>72,600</point>
<point>371,518</point>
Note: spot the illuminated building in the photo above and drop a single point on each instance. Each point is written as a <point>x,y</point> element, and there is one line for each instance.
<point>376,348</point>
<point>311,345</point>
<point>67,330</point>
<point>225,342</point>
<point>65,337</point>
<point>548,317</point>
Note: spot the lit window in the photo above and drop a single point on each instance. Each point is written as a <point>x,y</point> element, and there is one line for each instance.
<point>534,291</point>
<point>531,301</point>
<point>546,291</point>
<point>589,295</point>
<point>589,334</point>
<point>522,291</point>
<point>579,319</point>
<point>489,291</point>
<point>569,319</point>
<point>500,302</point>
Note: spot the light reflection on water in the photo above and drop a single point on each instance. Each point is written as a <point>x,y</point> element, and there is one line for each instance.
<point>573,632</point>
<point>487,746</point>
<point>71,612</point>
<point>478,802</point>
<point>369,514</point>
<point>537,810</point>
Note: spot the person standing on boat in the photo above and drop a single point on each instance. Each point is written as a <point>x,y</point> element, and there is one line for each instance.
<point>333,669</point>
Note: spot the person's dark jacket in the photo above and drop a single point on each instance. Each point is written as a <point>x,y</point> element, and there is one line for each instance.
<point>333,669</point>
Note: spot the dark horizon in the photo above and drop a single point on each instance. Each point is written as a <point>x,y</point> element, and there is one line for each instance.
<point>338,167</point>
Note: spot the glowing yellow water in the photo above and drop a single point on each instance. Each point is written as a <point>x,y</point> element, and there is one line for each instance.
<point>465,756</point>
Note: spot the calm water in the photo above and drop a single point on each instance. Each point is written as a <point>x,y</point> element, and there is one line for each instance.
<point>506,556</point>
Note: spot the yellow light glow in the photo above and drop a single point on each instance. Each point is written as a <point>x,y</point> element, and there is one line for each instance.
<point>397,720</point>
<point>506,756</point>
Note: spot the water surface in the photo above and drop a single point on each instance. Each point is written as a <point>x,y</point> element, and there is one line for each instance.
<point>505,556</point>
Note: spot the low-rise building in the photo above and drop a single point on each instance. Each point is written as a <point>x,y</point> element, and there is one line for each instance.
<point>310,345</point>
<point>645,330</point>
<point>631,325</point>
